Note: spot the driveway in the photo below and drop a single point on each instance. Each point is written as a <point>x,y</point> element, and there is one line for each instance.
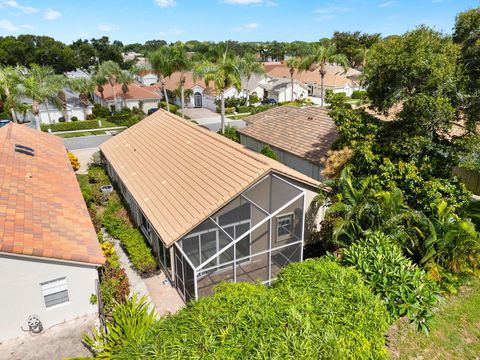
<point>210,119</point>
<point>85,142</point>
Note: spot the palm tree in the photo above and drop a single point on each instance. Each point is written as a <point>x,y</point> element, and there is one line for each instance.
<point>361,57</point>
<point>160,63</point>
<point>224,73</point>
<point>100,80</point>
<point>125,78</point>
<point>54,87</point>
<point>83,86</point>
<point>10,77</point>
<point>250,66</point>
<point>323,55</point>
<point>293,64</point>
<point>110,70</point>
<point>36,87</point>
<point>181,62</point>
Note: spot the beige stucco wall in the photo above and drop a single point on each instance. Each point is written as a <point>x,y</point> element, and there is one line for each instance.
<point>21,293</point>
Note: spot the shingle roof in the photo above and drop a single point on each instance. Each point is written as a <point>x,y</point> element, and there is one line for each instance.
<point>135,92</point>
<point>306,132</point>
<point>42,211</point>
<point>180,173</point>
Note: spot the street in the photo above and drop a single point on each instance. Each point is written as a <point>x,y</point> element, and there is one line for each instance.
<point>85,142</point>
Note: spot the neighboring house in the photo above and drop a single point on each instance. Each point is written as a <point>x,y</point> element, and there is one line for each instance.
<point>300,137</point>
<point>211,209</point>
<point>280,89</point>
<point>77,74</point>
<point>336,79</point>
<point>147,78</point>
<point>137,96</point>
<point>198,94</point>
<point>49,252</point>
<point>51,114</point>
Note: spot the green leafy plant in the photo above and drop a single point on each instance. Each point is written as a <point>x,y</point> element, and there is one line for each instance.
<point>231,133</point>
<point>267,151</point>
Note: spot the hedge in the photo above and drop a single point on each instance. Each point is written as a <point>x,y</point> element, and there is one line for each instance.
<point>316,310</point>
<point>173,107</point>
<point>244,109</point>
<point>75,125</point>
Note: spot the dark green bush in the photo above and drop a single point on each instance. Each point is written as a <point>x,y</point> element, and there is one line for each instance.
<point>231,133</point>
<point>100,111</point>
<point>173,107</point>
<point>267,151</point>
<point>74,118</point>
<point>316,310</point>
<point>91,117</point>
<point>404,287</point>
<point>72,125</point>
<point>244,109</point>
<point>61,119</point>
<point>261,108</point>
<point>359,94</point>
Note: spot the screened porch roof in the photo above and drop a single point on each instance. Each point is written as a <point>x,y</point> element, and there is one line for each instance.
<point>180,174</point>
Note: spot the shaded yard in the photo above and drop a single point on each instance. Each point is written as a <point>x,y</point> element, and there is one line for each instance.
<point>455,330</point>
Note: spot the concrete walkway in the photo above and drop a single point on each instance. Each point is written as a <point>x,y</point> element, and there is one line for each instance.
<point>85,158</point>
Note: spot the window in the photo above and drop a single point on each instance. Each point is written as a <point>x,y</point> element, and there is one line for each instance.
<point>55,292</point>
<point>284,225</point>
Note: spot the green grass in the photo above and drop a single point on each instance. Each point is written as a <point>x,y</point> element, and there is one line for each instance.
<point>86,133</point>
<point>78,125</point>
<point>82,180</point>
<point>455,330</point>
<point>237,117</point>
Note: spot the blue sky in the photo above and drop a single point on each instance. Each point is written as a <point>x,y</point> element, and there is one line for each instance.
<point>244,20</point>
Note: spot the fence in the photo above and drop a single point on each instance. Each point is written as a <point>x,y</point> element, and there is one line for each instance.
<point>470,178</point>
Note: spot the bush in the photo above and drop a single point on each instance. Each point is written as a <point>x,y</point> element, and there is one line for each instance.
<point>261,108</point>
<point>74,118</point>
<point>244,109</point>
<point>267,151</point>
<point>229,110</point>
<point>73,161</point>
<point>97,175</point>
<point>253,99</point>
<point>61,119</point>
<point>68,126</point>
<point>231,133</point>
<point>173,107</point>
<point>91,117</point>
<point>404,287</point>
<point>360,94</point>
<point>315,310</point>
<point>232,102</point>
<point>100,111</point>
<point>114,287</point>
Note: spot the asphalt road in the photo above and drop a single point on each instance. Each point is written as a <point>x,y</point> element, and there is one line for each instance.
<point>85,142</point>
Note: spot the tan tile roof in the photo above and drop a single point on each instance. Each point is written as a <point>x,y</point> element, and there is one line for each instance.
<point>180,173</point>
<point>333,78</point>
<point>172,83</point>
<point>306,132</point>
<point>42,211</point>
<point>135,92</point>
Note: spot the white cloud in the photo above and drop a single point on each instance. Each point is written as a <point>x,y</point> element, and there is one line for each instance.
<point>16,5</point>
<point>329,12</point>
<point>7,26</point>
<point>251,2</point>
<point>246,27</point>
<point>387,4</point>
<point>165,3</point>
<point>106,27</point>
<point>51,14</point>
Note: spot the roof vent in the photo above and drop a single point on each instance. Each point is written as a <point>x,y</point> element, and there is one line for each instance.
<point>24,150</point>
<point>310,118</point>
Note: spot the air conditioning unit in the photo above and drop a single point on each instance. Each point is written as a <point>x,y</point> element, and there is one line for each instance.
<point>34,324</point>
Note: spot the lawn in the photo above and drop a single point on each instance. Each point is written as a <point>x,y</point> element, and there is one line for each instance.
<point>455,330</point>
<point>78,125</point>
<point>82,180</point>
<point>86,133</point>
<point>238,117</point>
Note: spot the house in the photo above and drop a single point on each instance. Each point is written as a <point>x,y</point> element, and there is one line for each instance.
<point>147,78</point>
<point>336,79</point>
<point>211,209</point>
<point>77,74</point>
<point>300,137</point>
<point>280,89</point>
<point>197,93</point>
<point>49,252</point>
<point>49,113</point>
<point>137,96</point>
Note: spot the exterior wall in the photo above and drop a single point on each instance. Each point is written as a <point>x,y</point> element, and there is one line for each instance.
<point>22,296</point>
<point>285,94</point>
<point>148,79</point>
<point>290,160</point>
<point>55,114</point>
<point>147,104</point>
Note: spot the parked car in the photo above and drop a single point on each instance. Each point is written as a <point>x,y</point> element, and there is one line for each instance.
<point>151,111</point>
<point>268,101</point>
<point>4,122</point>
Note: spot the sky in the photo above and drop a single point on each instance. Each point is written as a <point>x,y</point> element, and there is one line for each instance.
<point>244,20</point>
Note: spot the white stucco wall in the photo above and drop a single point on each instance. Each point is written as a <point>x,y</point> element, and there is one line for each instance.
<point>55,114</point>
<point>147,79</point>
<point>285,94</point>
<point>21,293</point>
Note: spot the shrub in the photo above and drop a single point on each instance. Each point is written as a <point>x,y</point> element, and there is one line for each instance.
<point>232,102</point>
<point>404,287</point>
<point>73,161</point>
<point>261,108</point>
<point>61,119</point>
<point>244,109</point>
<point>91,117</point>
<point>68,126</point>
<point>173,107</point>
<point>229,110</point>
<point>97,175</point>
<point>100,111</point>
<point>231,133</point>
<point>114,287</point>
<point>315,310</point>
<point>360,94</point>
<point>74,118</point>
<point>267,151</point>
<point>130,323</point>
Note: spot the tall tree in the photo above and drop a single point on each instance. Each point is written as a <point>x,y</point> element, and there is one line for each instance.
<point>250,66</point>
<point>125,78</point>
<point>160,63</point>
<point>100,80</point>
<point>10,77</point>
<point>293,64</point>
<point>180,61</point>
<point>83,86</point>
<point>321,56</point>
<point>224,73</point>
<point>110,70</point>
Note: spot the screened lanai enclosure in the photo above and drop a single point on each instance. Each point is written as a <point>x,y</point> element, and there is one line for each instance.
<point>250,239</point>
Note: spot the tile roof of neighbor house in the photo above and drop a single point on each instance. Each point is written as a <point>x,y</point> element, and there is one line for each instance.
<point>135,92</point>
<point>42,211</point>
<point>172,83</point>
<point>179,173</point>
<point>305,132</point>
